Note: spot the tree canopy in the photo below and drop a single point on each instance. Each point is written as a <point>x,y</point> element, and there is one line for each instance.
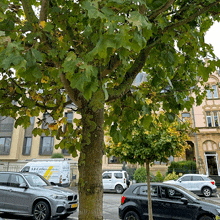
<point>92,50</point>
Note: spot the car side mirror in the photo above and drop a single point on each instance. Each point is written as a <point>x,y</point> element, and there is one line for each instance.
<point>180,181</point>
<point>23,185</point>
<point>184,200</point>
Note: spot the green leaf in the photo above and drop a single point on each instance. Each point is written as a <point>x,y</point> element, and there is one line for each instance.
<point>48,27</point>
<point>146,121</point>
<point>37,55</point>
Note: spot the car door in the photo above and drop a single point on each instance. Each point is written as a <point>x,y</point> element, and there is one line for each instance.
<point>142,202</point>
<point>186,182</point>
<point>107,180</point>
<point>3,189</point>
<point>197,183</point>
<point>174,207</point>
<point>18,199</point>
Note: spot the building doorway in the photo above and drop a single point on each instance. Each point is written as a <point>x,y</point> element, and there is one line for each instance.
<point>212,164</point>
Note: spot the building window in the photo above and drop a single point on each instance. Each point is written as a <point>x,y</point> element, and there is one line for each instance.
<point>46,147</point>
<point>209,119</point>
<point>215,119</point>
<point>5,145</point>
<point>215,91</point>
<point>114,159</point>
<point>185,116</point>
<point>69,116</point>
<point>212,94</point>
<point>32,120</point>
<point>47,120</point>
<point>27,146</point>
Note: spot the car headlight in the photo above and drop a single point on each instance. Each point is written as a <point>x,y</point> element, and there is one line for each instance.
<point>218,210</point>
<point>59,196</point>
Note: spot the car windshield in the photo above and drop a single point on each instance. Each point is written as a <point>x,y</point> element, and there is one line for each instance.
<point>35,180</point>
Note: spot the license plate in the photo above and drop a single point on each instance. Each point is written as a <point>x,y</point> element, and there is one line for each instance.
<point>74,205</point>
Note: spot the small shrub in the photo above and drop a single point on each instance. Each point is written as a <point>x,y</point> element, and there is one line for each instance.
<point>182,167</point>
<point>57,155</point>
<point>158,177</point>
<point>140,175</point>
<point>171,176</point>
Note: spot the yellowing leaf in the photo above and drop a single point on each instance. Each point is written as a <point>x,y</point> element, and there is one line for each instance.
<point>45,79</point>
<point>42,24</point>
<point>60,38</point>
<point>53,126</point>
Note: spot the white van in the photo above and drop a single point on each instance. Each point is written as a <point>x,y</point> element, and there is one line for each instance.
<point>56,171</point>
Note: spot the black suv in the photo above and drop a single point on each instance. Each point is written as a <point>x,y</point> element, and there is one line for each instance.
<point>168,202</point>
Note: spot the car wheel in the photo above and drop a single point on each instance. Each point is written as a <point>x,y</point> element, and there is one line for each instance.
<point>131,216</point>
<point>119,189</point>
<point>206,191</point>
<point>205,217</point>
<point>171,192</point>
<point>41,211</point>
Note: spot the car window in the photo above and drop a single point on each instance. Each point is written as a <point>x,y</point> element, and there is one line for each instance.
<point>118,175</point>
<point>35,180</point>
<point>143,191</point>
<point>15,180</point>
<point>186,178</point>
<point>25,169</point>
<point>197,178</point>
<point>4,179</point>
<point>126,175</point>
<point>207,178</point>
<point>170,193</point>
<point>106,176</point>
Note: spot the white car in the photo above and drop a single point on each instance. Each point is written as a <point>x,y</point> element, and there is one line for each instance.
<point>115,181</point>
<point>197,183</point>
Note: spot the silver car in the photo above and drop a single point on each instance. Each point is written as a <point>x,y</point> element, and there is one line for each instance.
<point>198,183</point>
<point>31,194</point>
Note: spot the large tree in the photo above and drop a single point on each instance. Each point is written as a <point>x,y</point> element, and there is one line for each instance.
<point>92,50</point>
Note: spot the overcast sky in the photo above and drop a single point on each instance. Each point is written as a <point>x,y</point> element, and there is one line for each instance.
<point>213,37</point>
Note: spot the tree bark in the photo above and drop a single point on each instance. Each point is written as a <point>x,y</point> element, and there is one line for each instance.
<point>150,213</point>
<point>90,165</point>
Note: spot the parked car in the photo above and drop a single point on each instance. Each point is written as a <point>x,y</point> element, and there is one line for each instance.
<point>115,181</point>
<point>168,202</point>
<point>198,183</point>
<point>31,194</point>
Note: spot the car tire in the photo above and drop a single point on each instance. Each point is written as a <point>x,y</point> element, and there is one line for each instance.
<point>41,211</point>
<point>205,217</point>
<point>206,191</point>
<point>119,189</point>
<point>131,215</point>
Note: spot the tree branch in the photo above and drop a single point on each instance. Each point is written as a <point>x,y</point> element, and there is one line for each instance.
<point>72,93</point>
<point>130,75</point>
<point>44,9</point>
<point>161,9</point>
<point>191,18</point>
<point>29,13</point>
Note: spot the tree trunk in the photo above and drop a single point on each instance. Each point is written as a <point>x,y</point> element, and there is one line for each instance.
<point>90,165</point>
<point>150,213</point>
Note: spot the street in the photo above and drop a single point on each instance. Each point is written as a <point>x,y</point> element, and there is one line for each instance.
<point>111,202</point>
